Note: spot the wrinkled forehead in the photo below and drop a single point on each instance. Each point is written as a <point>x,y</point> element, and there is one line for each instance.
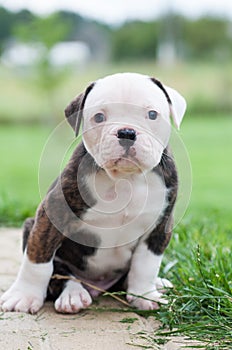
<point>128,89</point>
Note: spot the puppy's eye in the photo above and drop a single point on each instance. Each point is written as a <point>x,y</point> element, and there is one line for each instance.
<point>99,118</point>
<point>152,115</point>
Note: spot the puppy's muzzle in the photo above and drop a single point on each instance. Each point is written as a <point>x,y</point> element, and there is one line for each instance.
<point>126,137</point>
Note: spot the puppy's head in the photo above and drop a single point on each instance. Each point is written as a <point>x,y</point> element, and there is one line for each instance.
<point>126,121</point>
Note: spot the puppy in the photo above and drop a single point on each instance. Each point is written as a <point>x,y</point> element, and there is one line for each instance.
<point>108,216</point>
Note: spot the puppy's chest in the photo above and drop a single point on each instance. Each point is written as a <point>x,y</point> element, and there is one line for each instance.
<point>125,209</point>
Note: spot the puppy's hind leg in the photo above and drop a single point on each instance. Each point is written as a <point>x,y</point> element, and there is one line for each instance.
<point>27,227</point>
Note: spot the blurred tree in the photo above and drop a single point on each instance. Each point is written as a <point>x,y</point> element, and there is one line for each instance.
<point>95,34</point>
<point>75,22</point>
<point>135,40</point>
<point>42,33</point>
<point>23,16</point>
<point>7,22</point>
<point>46,31</point>
<point>207,38</point>
<point>203,38</point>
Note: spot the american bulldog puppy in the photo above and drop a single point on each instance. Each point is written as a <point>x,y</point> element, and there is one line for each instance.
<point>108,216</point>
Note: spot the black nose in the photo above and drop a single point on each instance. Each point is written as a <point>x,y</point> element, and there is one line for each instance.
<point>129,134</point>
<point>126,137</point>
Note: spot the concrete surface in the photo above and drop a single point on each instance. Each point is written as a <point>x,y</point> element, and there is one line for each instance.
<point>90,329</point>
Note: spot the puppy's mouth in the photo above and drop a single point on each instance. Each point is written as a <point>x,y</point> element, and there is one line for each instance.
<point>130,153</point>
<point>127,163</point>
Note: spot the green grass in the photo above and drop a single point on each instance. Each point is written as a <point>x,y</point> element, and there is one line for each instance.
<point>20,152</point>
<point>200,306</point>
<point>209,144</point>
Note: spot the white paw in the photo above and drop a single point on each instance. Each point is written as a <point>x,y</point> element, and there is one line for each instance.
<point>146,301</point>
<point>162,284</point>
<point>73,298</point>
<point>20,298</point>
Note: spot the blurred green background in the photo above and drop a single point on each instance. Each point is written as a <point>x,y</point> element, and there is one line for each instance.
<point>46,61</point>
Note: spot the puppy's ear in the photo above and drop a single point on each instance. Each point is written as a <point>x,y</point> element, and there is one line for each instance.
<point>73,111</point>
<point>177,105</point>
<point>176,102</point>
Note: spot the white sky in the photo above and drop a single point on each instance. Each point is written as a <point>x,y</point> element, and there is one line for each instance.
<point>117,11</point>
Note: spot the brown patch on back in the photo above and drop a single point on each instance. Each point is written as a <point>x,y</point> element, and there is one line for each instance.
<point>46,234</point>
<point>43,239</point>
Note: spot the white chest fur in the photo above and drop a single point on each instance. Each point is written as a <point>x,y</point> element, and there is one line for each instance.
<point>125,209</point>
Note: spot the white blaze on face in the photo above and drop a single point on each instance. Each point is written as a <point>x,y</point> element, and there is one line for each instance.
<point>125,101</point>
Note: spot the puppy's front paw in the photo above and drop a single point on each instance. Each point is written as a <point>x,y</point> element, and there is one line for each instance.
<point>146,301</point>
<point>162,284</point>
<point>73,298</point>
<point>20,298</point>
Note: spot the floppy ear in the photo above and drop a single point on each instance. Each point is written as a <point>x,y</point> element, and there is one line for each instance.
<point>73,111</point>
<point>177,105</point>
<point>176,102</point>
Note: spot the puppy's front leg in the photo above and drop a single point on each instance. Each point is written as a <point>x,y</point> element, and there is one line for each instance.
<point>143,279</point>
<point>29,290</point>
